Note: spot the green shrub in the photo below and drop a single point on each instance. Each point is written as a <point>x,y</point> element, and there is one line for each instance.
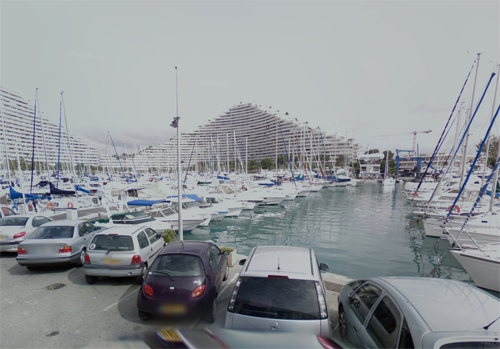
<point>170,235</point>
<point>228,249</point>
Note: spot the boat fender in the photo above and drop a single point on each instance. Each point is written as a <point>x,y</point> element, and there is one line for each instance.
<point>50,205</point>
<point>70,204</point>
<point>414,194</point>
<point>455,208</point>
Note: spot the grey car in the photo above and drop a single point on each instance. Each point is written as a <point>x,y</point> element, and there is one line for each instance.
<point>122,251</point>
<point>56,243</point>
<point>416,312</point>
<point>280,289</point>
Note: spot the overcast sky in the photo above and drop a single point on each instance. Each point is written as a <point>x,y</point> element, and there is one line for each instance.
<point>365,69</point>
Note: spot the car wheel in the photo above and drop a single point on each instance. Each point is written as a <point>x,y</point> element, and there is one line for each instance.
<point>342,323</point>
<point>91,279</point>
<point>140,278</point>
<point>211,313</point>
<point>226,274</point>
<point>81,260</point>
<point>31,268</point>
<point>143,315</point>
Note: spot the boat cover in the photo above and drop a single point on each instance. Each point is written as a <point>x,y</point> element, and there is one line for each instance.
<point>144,202</point>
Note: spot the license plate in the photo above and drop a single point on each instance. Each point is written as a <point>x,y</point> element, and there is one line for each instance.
<point>175,309</point>
<point>169,336</point>
<point>42,250</point>
<point>111,261</point>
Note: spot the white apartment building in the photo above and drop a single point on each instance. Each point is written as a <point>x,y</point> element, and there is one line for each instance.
<point>51,141</point>
<point>243,133</point>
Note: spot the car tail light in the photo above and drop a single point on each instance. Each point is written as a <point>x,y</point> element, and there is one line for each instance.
<point>232,300</point>
<point>21,251</point>
<point>327,344</point>
<point>148,290</point>
<point>136,259</point>
<point>198,291</point>
<point>18,235</point>
<point>322,302</point>
<point>65,249</point>
<point>87,258</point>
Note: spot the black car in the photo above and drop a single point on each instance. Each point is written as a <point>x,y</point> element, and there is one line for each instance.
<point>184,280</point>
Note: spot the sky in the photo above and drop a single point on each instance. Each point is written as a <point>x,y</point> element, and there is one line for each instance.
<point>374,71</point>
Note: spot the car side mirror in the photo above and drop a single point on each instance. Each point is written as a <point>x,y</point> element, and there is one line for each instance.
<point>242,261</point>
<point>354,302</point>
<point>323,267</point>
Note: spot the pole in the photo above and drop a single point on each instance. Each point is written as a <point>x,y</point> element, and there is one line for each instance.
<point>179,169</point>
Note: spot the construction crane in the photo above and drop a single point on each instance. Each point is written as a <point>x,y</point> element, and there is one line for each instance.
<point>414,133</point>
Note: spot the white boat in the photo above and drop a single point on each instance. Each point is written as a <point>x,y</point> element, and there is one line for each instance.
<point>482,264</point>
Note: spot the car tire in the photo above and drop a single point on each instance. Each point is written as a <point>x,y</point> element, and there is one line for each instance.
<point>342,323</point>
<point>143,315</point>
<point>226,273</point>
<point>81,259</point>
<point>140,278</point>
<point>91,279</point>
<point>31,268</point>
<point>211,313</point>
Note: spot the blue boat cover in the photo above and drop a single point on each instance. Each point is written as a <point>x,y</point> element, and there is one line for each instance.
<point>144,202</point>
<point>17,195</point>
<point>77,187</point>
<point>189,196</point>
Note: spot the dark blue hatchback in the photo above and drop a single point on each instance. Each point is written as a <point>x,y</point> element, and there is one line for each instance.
<point>184,280</point>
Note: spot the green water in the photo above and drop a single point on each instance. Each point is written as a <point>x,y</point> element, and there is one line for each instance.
<point>358,231</point>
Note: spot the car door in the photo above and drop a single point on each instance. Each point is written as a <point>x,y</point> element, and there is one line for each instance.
<point>360,305</point>
<point>155,241</point>
<point>218,272</point>
<point>383,325</point>
<point>145,249</point>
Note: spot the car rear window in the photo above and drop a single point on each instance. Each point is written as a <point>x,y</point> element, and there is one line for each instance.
<point>53,233</point>
<point>471,345</point>
<point>112,243</point>
<point>277,298</point>
<point>178,265</point>
<point>13,221</point>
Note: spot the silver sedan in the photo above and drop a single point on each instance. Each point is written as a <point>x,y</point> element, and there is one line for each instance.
<point>56,243</point>
<point>14,229</point>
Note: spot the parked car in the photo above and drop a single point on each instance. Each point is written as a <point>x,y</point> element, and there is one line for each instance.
<point>6,211</point>
<point>416,312</point>
<point>55,243</point>
<point>280,288</point>
<point>122,251</point>
<point>14,229</point>
<point>184,280</point>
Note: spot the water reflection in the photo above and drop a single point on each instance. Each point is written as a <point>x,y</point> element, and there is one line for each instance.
<point>358,231</point>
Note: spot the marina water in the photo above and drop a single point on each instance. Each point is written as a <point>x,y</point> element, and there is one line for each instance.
<point>358,231</point>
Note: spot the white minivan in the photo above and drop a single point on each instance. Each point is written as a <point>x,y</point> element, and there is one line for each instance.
<point>280,289</point>
<point>122,251</point>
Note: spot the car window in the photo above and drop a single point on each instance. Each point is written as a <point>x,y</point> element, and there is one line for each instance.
<point>385,323</point>
<point>178,265</point>
<point>405,340</point>
<point>63,232</point>
<point>82,229</point>
<point>13,221</point>
<point>38,221</point>
<point>90,228</point>
<point>470,345</point>
<point>363,299</point>
<point>211,259</point>
<point>216,252</point>
<point>7,212</point>
<point>143,240</point>
<point>112,243</point>
<point>152,235</point>
<point>277,298</point>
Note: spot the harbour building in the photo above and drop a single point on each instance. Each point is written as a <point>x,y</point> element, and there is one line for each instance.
<point>247,132</point>
<point>51,144</point>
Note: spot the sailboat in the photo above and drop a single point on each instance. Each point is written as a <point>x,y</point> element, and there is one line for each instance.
<point>388,179</point>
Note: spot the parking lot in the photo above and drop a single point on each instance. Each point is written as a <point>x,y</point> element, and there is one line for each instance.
<point>55,307</point>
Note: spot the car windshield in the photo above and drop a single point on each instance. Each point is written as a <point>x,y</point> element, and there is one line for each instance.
<point>277,298</point>
<point>13,221</point>
<point>112,242</point>
<point>63,232</point>
<point>178,265</point>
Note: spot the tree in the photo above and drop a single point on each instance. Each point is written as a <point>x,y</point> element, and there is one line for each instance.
<point>493,150</point>
<point>253,165</point>
<point>266,163</point>
<point>340,160</point>
<point>372,151</point>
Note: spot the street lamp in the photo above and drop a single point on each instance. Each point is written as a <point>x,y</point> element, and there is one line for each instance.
<point>175,124</point>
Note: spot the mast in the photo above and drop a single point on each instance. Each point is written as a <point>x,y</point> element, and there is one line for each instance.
<point>464,156</point>
<point>33,148</point>
<point>69,144</point>
<point>43,135</point>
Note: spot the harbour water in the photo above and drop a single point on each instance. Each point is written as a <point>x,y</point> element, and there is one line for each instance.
<point>358,231</point>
